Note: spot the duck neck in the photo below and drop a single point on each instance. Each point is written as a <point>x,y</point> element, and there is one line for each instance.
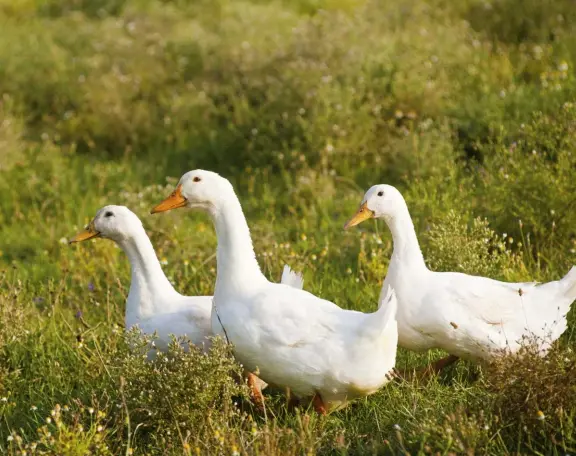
<point>237,264</point>
<point>406,247</point>
<point>150,290</point>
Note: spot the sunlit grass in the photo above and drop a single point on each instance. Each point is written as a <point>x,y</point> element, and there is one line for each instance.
<point>466,107</point>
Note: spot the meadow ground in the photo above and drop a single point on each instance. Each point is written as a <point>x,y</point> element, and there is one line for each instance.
<point>467,107</point>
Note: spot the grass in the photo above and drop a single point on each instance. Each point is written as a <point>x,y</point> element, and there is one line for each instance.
<point>467,107</point>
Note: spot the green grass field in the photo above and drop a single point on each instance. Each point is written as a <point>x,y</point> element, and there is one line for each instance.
<point>467,107</point>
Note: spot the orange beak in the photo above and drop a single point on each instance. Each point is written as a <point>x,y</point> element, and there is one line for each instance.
<point>174,201</point>
<point>88,233</point>
<point>363,214</point>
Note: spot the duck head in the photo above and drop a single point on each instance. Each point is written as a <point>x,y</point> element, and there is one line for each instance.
<point>111,222</point>
<point>380,201</point>
<point>198,189</point>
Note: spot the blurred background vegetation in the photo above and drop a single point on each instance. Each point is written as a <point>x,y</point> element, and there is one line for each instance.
<point>467,107</point>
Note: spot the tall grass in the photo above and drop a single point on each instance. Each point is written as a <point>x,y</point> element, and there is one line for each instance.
<point>466,107</point>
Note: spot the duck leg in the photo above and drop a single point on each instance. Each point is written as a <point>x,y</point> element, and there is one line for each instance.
<point>436,367</point>
<point>255,385</point>
<point>291,401</point>
<point>319,404</point>
<point>425,372</point>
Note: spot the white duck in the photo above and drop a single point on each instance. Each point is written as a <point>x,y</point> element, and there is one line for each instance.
<point>153,304</point>
<point>467,316</point>
<point>292,338</point>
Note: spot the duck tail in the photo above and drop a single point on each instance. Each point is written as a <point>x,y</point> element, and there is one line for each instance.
<point>292,278</point>
<point>559,296</point>
<point>570,283</point>
<point>385,316</point>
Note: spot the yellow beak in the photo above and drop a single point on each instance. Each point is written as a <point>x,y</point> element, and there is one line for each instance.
<point>88,233</point>
<point>363,214</point>
<point>174,201</point>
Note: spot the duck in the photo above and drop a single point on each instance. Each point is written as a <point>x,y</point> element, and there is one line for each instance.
<point>153,304</point>
<point>293,339</point>
<point>470,317</point>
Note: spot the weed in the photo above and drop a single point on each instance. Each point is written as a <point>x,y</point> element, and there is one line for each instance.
<point>466,107</point>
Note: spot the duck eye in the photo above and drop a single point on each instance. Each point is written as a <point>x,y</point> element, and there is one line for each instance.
<point>380,193</point>
<point>196,179</point>
<point>109,214</point>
